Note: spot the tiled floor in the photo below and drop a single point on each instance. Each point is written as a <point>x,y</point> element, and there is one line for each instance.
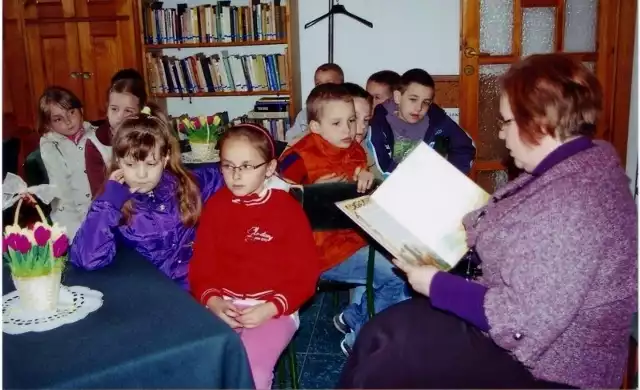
<point>317,343</point>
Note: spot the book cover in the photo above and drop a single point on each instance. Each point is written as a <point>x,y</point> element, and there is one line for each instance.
<point>417,212</point>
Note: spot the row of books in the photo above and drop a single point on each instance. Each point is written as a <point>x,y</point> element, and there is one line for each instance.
<point>212,23</point>
<point>278,125</point>
<point>217,73</point>
<point>272,113</point>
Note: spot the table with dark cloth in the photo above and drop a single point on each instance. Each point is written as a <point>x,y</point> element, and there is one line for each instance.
<point>148,334</point>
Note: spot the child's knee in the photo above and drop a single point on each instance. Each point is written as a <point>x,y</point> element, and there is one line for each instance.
<point>262,376</point>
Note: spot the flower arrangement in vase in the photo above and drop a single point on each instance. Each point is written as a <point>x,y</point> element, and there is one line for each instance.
<point>36,257</point>
<point>203,133</point>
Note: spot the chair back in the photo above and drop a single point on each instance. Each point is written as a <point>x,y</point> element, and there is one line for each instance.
<point>10,156</point>
<point>34,170</point>
<point>318,202</point>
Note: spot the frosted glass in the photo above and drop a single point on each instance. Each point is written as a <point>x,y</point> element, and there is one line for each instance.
<point>496,26</point>
<point>490,147</point>
<point>538,30</point>
<point>580,22</point>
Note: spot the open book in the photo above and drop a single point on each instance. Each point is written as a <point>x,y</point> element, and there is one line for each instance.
<point>416,213</point>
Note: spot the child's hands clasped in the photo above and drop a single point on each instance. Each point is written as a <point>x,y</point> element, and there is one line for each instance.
<point>255,316</point>
<point>364,178</point>
<point>235,317</point>
<point>118,176</point>
<point>225,310</point>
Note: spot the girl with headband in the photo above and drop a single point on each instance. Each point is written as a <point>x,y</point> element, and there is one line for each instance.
<point>255,261</point>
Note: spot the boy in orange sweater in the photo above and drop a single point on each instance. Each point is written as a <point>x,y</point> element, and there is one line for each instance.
<point>330,153</point>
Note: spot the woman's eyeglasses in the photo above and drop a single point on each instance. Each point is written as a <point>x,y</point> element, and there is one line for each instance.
<point>242,168</point>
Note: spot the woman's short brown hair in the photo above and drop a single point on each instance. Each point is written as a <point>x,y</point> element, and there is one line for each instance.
<point>552,94</point>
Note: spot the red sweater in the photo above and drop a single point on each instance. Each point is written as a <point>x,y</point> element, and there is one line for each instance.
<point>254,248</point>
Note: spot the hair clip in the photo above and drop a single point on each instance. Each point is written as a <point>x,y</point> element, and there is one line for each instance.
<point>146,110</point>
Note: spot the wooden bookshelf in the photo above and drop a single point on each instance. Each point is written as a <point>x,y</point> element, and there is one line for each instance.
<point>216,44</point>
<point>291,42</point>
<point>220,94</point>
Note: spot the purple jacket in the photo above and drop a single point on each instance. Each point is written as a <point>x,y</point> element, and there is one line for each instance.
<point>155,230</point>
<point>559,259</point>
<point>436,124</point>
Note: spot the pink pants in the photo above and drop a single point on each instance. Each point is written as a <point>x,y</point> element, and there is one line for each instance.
<point>264,345</point>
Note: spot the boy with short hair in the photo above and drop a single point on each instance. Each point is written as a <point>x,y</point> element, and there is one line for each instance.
<point>324,74</point>
<point>329,153</point>
<point>363,102</point>
<point>410,117</point>
<point>381,85</point>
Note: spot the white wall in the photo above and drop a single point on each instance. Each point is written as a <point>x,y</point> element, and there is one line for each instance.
<point>632,141</point>
<point>406,34</point>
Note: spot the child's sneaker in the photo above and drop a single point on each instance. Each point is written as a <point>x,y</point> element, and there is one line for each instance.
<point>340,324</point>
<point>345,346</point>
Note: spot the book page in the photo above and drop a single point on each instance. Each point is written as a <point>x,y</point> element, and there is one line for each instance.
<point>383,228</point>
<point>429,197</point>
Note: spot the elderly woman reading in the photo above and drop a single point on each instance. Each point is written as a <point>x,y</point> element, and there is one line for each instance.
<point>558,248</point>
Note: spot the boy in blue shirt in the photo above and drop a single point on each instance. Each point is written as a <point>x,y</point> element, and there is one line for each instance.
<point>409,117</point>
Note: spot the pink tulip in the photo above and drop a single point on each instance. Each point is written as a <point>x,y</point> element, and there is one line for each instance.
<point>5,244</point>
<point>42,235</point>
<point>20,243</point>
<point>60,246</point>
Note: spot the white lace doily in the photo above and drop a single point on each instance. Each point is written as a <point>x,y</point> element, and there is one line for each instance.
<point>190,158</point>
<point>75,303</point>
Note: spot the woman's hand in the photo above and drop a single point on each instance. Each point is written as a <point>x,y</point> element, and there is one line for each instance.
<point>419,276</point>
<point>254,316</point>
<point>364,179</point>
<point>225,310</point>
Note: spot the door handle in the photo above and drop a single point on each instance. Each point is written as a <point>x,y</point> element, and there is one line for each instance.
<point>86,75</point>
<point>74,75</point>
<point>470,52</point>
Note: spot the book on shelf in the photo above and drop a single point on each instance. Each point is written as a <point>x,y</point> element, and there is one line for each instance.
<point>215,23</point>
<point>217,73</point>
<point>277,122</point>
<point>416,213</point>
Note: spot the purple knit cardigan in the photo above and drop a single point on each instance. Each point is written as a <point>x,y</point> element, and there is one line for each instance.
<point>560,264</point>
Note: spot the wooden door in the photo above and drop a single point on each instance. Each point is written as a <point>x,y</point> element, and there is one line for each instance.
<point>107,44</point>
<point>17,104</point>
<point>105,48</point>
<point>497,33</point>
<point>54,58</point>
<point>52,46</point>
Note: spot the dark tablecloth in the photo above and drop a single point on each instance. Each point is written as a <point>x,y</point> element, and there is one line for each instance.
<point>147,334</point>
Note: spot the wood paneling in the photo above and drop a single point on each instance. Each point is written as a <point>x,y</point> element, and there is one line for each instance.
<point>447,91</point>
<point>54,57</point>
<point>105,47</point>
<point>76,44</point>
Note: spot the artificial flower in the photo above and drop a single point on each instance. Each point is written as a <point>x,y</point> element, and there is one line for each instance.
<point>41,234</point>
<point>60,246</point>
<point>20,243</point>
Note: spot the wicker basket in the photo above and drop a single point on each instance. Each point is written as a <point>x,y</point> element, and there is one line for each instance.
<point>204,151</point>
<point>39,293</point>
